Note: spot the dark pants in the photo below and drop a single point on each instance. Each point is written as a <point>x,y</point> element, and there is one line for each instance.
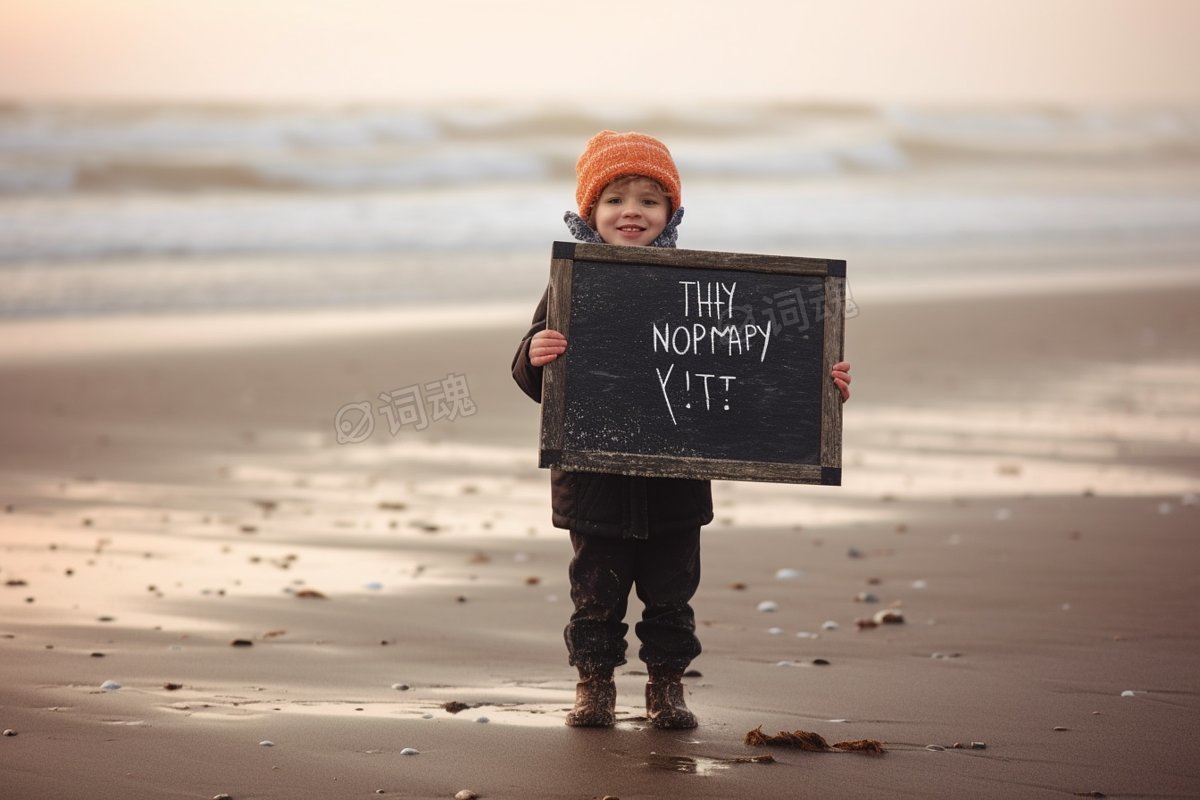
<point>665,569</point>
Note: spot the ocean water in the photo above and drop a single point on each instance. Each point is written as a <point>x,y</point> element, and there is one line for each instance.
<point>162,209</point>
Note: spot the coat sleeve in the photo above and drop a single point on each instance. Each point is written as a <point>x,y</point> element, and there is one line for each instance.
<point>527,376</point>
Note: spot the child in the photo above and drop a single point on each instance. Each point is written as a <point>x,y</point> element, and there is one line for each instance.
<point>627,531</point>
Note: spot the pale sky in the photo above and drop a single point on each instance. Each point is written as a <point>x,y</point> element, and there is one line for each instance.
<point>929,51</point>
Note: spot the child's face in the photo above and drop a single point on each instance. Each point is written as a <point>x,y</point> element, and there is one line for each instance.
<point>631,211</point>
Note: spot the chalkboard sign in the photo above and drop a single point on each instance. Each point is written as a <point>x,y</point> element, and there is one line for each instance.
<point>694,364</point>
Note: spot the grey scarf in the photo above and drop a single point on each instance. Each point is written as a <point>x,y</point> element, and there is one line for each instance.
<point>586,233</point>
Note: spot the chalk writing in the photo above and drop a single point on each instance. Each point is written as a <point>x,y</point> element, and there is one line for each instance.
<point>706,304</point>
<point>714,300</point>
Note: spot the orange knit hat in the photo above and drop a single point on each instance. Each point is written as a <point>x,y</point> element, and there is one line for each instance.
<point>610,155</point>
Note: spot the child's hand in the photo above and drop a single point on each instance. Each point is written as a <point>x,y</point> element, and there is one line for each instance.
<point>545,346</point>
<point>841,377</point>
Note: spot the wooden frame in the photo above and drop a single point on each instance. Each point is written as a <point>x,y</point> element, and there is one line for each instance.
<point>558,453</point>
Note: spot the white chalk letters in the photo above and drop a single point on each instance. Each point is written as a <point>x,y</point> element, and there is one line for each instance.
<point>707,330</point>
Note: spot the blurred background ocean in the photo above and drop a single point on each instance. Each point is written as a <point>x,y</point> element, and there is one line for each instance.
<point>117,208</point>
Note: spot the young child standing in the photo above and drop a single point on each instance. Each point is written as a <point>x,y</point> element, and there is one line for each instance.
<point>628,532</point>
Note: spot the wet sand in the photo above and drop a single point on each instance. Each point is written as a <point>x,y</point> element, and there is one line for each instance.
<point>1021,483</point>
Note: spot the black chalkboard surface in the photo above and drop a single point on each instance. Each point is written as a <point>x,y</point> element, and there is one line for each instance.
<point>695,364</point>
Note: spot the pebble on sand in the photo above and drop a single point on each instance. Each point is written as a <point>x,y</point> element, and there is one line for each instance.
<point>768,606</point>
<point>222,797</point>
<point>9,732</point>
<point>410,751</point>
<point>1131,693</point>
<point>937,748</point>
<point>788,574</point>
<point>889,616</point>
<point>241,643</point>
<point>109,686</point>
<point>775,631</point>
<point>465,794</point>
<point>866,597</point>
<point>401,687</point>
<point>829,625</point>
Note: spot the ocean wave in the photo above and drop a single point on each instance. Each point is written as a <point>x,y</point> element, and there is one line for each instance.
<point>745,217</point>
<point>80,184</point>
<point>62,150</point>
<point>130,130</point>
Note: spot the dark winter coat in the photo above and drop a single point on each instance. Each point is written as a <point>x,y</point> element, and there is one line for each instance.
<point>613,505</point>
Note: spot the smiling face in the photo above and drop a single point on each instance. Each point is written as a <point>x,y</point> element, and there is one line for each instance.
<point>631,211</point>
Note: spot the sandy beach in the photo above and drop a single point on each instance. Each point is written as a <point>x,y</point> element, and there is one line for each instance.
<point>281,615</point>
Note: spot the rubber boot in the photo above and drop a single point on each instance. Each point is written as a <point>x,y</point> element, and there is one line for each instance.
<point>665,707</point>
<point>595,700</point>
